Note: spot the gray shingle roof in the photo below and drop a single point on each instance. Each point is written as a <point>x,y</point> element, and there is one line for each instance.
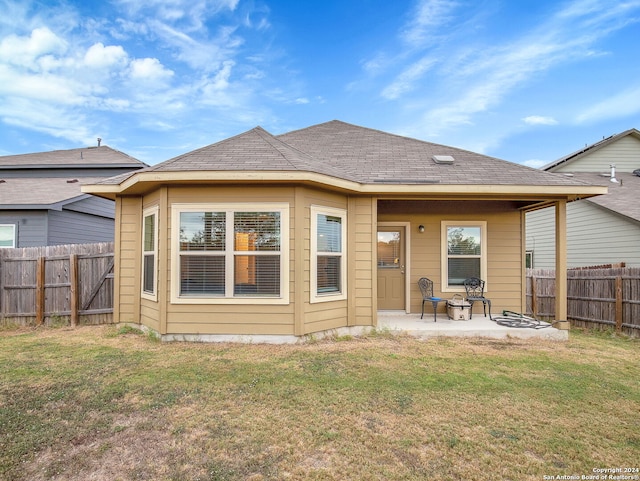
<point>374,156</point>
<point>623,197</point>
<point>38,191</point>
<point>354,153</point>
<point>86,156</point>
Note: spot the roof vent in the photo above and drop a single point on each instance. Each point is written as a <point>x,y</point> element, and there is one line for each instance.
<point>613,173</point>
<point>72,181</point>
<point>443,159</point>
<point>636,172</point>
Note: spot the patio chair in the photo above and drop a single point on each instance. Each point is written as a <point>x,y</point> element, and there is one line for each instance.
<point>475,293</point>
<point>426,288</point>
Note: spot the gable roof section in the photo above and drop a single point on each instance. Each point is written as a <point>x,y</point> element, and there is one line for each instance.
<point>102,156</point>
<point>253,150</point>
<point>348,157</point>
<point>590,149</point>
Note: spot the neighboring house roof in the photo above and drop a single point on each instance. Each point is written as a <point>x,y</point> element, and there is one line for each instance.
<point>623,197</point>
<point>41,193</point>
<point>367,160</point>
<point>88,157</point>
<point>590,149</point>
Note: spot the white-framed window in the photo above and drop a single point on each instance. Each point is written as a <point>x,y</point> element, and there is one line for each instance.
<point>230,253</point>
<point>7,236</point>
<point>328,254</point>
<point>464,253</point>
<point>150,253</point>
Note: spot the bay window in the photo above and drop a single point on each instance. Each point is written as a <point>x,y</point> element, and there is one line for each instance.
<point>149,253</point>
<point>230,253</point>
<point>328,258</point>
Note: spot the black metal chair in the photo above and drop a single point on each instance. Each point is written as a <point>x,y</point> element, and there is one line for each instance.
<point>475,293</point>
<point>426,288</point>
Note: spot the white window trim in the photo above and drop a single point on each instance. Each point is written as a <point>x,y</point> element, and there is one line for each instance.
<point>13,245</point>
<point>152,296</point>
<point>282,208</point>
<point>444,269</point>
<point>314,297</point>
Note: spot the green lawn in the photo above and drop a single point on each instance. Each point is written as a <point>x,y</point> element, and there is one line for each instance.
<point>104,403</point>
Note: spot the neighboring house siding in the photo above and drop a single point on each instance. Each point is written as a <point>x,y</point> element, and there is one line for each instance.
<point>590,230</point>
<point>31,226</point>
<point>67,227</point>
<point>541,237</point>
<point>623,153</point>
<point>94,206</point>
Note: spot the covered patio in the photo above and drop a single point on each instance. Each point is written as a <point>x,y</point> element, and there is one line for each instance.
<point>479,326</point>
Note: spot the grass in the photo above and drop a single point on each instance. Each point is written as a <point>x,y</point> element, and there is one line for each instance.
<point>104,403</point>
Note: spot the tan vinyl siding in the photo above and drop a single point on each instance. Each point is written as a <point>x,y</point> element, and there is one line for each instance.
<point>322,315</point>
<point>149,309</point>
<point>503,250</point>
<point>229,318</point>
<point>363,266</point>
<point>623,153</point>
<point>127,265</point>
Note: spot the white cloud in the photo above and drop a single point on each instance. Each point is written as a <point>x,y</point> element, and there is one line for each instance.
<point>405,82</point>
<point>623,104</point>
<point>539,120</point>
<point>149,69</point>
<point>428,17</point>
<point>477,81</point>
<point>99,56</point>
<point>24,51</point>
<point>535,163</point>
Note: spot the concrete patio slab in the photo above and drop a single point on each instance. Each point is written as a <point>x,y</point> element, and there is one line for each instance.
<point>478,326</point>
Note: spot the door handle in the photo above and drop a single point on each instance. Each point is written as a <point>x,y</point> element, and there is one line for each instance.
<point>402,269</point>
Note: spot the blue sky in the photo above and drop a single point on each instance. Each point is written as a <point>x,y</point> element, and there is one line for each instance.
<point>526,81</point>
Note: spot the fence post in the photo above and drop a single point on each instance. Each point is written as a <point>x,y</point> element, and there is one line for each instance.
<point>40,266</point>
<point>534,296</point>
<point>73,290</point>
<point>618,303</point>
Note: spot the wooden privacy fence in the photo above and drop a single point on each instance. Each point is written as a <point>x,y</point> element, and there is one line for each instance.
<point>68,284</point>
<point>595,297</point>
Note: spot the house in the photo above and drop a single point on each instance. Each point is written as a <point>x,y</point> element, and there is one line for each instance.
<point>318,229</point>
<point>41,202</point>
<point>601,230</point>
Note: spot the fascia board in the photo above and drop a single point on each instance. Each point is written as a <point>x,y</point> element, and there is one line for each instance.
<point>138,179</point>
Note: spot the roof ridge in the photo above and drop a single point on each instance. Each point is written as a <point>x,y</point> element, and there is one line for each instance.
<point>275,143</point>
<point>208,146</point>
<point>596,145</point>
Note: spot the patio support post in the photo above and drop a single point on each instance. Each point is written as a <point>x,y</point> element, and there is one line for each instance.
<point>561,264</point>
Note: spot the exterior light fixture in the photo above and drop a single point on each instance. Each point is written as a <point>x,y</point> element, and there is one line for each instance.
<point>421,229</point>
